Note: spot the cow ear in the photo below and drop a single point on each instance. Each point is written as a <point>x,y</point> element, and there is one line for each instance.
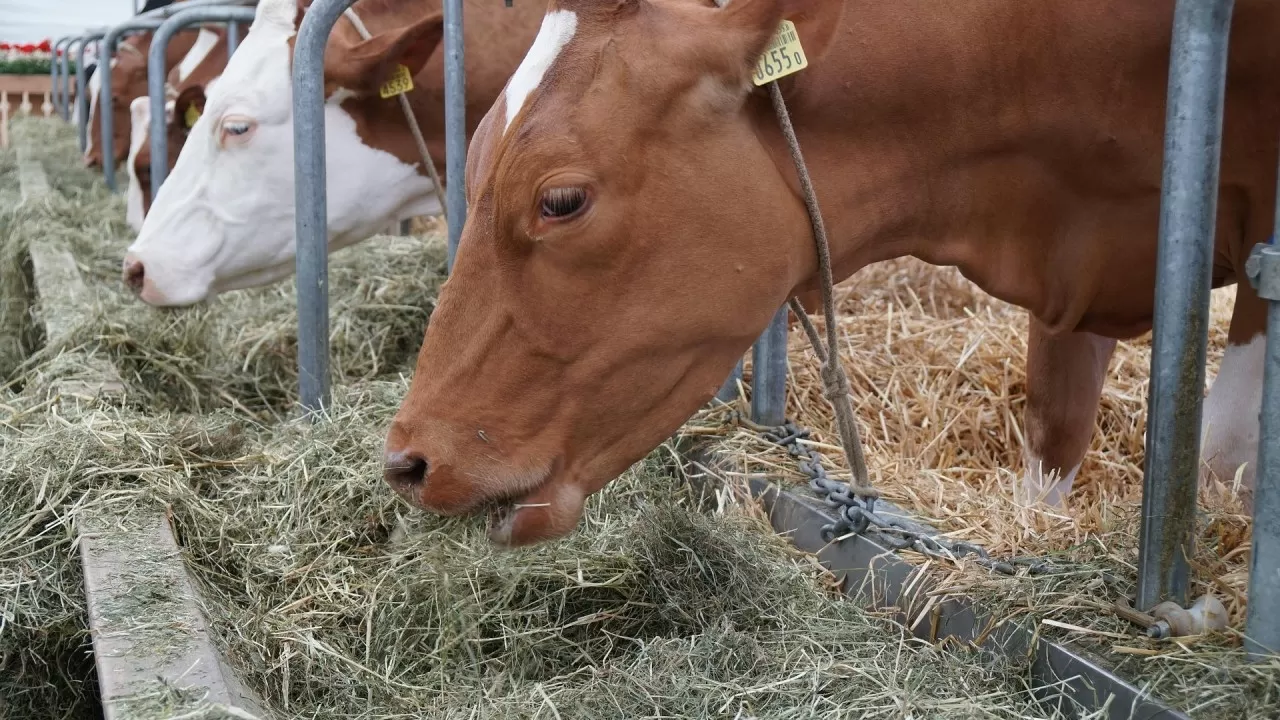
<point>750,25</point>
<point>368,65</point>
<point>188,106</point>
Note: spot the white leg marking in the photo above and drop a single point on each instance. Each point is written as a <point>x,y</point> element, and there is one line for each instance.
<point>198,52</point>
<point>1047,486</point>
<point>95,89</point>
<point>558,27</point>
<point>1229,430</point>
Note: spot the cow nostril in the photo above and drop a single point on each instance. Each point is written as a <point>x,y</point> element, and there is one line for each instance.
<point>134,274</point>
<point>403,470</point>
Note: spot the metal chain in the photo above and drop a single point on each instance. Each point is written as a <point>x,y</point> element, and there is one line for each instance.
<point>857,514</point>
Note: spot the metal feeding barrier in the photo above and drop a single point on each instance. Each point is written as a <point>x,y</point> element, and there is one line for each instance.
<point>310,175</point>
<point>148,21</point>
<point>156,75</point>
<point>82,96</point>
<point>64,81</point>
<point>55,73</point>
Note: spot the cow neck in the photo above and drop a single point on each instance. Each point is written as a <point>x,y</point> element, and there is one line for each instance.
<point>834,378</point>
<point>412,121</point>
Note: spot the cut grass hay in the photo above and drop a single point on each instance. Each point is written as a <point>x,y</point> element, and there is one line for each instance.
<point>239,350</point>
<point>663,604</point>
<point>937,369</point>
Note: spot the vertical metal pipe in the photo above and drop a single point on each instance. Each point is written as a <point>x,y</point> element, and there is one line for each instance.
<point>455,125</point>
<point>311,201</point>
<point>729,390</point>
<point>1262,629</point>
<point>156,76</point>
<point>82,92</point>
<point>105,101</point>
<point>1188,212</point>
<point>769,373</point>
<point>53,74</point>
<point>233,38</point>
<point>65,81</point>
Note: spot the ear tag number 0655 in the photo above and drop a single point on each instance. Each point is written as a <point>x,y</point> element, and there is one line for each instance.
<point>399,83</point>
<point>782,57</point>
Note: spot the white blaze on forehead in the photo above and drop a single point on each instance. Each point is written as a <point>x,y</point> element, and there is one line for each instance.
<point>558,27</point>
<point>198,52</point>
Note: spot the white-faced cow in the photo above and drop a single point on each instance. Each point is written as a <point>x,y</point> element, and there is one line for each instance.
<point>224,219</point>
<point>636,220</point>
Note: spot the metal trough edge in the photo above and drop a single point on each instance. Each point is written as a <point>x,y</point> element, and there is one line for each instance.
<point>148,630</point>
<point>876,577</point>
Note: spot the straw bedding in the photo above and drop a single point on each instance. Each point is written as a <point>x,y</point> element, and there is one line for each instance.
<point>939,388</point>
<point>335,600</point>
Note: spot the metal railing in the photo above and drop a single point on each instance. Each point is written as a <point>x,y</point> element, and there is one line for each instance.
<point>109,43</point>
<point>156,71</point>
<point>82,95</point>
<point>55,74</point>
<point>309,178</point>
<point>64,82</point>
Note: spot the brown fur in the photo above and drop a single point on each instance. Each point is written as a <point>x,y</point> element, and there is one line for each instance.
<point>1020,141</point>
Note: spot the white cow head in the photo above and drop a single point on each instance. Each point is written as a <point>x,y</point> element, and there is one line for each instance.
<point>224,218</point>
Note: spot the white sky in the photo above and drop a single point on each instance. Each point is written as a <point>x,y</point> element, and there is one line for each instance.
<point>30,21</point>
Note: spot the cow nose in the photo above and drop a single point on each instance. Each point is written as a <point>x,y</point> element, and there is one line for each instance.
<point>133,273</point>
<point>403,470</point>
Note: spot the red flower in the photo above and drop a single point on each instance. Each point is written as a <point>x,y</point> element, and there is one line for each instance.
<point>5,46</point>
<point>45,45</point>
<point>27,48</point>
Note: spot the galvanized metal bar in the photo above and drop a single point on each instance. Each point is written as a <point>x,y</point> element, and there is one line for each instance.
<point>729,390</point>
<point>1188,212</point>
<point>54,67</point>
<point>233,38</point>
<point>65,80</point>
<point>105,101</point>
<point>1262,628</point>
<point>769,373</point>
<point>156,76</point>
<point>455,125</point>
<point>82,93</point>
<point>871,574</point>
<point>311,201</point>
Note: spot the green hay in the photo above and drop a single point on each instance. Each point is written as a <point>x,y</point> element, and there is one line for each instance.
<point>239,350</point>
<point>655,608</point>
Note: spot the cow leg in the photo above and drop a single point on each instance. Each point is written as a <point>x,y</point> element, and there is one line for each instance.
<point>1229,428</point>
<point>1065,373</point>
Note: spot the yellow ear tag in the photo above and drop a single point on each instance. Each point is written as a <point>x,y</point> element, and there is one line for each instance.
<point>782,57</point>
<point>191,116</point>
<point>399,83</point>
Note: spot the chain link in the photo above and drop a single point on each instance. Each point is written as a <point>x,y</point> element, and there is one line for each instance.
<point>857,514</point>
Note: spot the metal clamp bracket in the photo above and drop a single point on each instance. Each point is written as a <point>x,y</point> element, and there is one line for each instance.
<point>1263,270</point>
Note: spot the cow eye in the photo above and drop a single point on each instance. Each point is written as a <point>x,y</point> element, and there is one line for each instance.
<point>238,128</point>
<point>559,203</point>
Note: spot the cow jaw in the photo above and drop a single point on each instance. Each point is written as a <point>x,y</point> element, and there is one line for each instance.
<point>225,218</point>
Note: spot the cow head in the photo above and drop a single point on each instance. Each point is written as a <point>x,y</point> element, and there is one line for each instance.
<point>630,235</point>
<point>224,219</point>
<point>128,82</point>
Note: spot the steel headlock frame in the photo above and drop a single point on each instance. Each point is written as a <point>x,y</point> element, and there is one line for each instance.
<point>310,172</point>
<point>82,94</point>
<point>1197,79</point>
<point>156,75</point>
<point>113,37</point>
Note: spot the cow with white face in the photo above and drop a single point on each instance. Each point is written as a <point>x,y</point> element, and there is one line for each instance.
<point>224,218</point>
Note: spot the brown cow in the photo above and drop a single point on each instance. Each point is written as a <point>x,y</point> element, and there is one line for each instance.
<point>636,220</point>
<point>129,81</point>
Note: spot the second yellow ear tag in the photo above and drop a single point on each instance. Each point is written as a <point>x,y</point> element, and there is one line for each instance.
<point>399,83</point>
<point>191,116</point>
<point>782,57</point>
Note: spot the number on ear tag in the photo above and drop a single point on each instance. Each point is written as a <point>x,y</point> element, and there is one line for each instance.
<point>399,83</point>
<point>191,116</point>
<point>782,57</point>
